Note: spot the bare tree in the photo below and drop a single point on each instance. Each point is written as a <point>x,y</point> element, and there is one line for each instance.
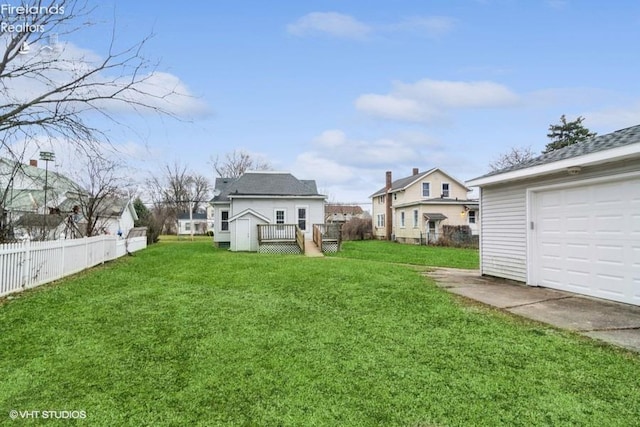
<point>47,87</point>
<point>514,157</point>
<point>237,162</point>
<point>178,190</point>
<point>98,194</point>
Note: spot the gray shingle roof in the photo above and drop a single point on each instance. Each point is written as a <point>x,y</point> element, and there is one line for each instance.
<point>402,182</point>
<point>263,184</point>
<point>619,138</point>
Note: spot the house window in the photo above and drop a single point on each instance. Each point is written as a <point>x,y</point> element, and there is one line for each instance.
<point>472,217</point>
<point>381,199</point>
<point>395,196</point>
<point>426,189</point>
<point>402,219</point>
<point>445,189</point>
<point>415,217</point>
<point>280,216</point>
<point>224,221</point>
<point>302,218</point>
<point>187,226</point>
<point>380,220</point>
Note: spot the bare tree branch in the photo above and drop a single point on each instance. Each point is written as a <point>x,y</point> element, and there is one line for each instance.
<point>236,163</point>
<point>515,156</point>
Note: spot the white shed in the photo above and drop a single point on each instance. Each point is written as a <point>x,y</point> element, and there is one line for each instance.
<point>568,220</point>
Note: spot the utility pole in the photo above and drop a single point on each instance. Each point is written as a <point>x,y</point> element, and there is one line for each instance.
<point>47,156</point>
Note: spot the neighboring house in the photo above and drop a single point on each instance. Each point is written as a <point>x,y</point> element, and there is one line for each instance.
<point>413,209</point>
<point>22,190</point>
<point>265,197</point>
<point>568,220</point>
<point>337,213</point>
<point>34,226</point>
<point>196,223</point>
<point>116,216</point>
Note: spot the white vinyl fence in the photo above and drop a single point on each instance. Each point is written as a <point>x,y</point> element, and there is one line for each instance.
<point>29,264</point>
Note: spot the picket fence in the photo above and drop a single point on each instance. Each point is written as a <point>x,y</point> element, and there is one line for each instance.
<point>29,264</point>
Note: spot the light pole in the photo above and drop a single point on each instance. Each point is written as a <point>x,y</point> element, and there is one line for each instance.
<point>47,156</point>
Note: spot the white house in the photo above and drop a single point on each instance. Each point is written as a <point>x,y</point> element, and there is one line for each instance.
<point>115,215</point>
<point>196,223</point>
<point>264,197</point>
<point>568,220</point>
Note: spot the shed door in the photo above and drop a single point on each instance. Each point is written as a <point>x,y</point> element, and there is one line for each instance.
<point>587,240</point>
<point>243,235</point>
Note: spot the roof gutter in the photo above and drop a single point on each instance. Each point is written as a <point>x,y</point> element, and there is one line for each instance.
<point>600,157</point>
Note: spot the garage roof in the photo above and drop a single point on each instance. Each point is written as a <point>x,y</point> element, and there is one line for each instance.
<point>618,145</point>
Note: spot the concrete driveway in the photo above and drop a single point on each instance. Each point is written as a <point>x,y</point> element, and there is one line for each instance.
<point>614,323</point>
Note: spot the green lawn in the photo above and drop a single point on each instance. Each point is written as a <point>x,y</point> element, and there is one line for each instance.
<point>185,334</point>
<point>381,250</point>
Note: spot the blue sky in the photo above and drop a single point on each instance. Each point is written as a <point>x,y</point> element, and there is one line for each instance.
<point>340,91</point>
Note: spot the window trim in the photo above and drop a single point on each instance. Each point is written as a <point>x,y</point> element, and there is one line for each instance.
<point>275,216</point>
<point>223,221</point>
<point>428,189</point>
<point>306,216</point>
<point>416,218</point>
<point>448,189</point>
<point>402,220</point>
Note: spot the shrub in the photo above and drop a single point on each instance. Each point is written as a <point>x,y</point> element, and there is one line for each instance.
<point>459,236</point>
<point>357,229</point>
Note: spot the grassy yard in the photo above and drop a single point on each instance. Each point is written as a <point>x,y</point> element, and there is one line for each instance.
<point>184,334</point>
<point>380,250</point>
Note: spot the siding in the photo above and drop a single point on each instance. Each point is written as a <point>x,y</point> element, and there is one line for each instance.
<point>503,239</point>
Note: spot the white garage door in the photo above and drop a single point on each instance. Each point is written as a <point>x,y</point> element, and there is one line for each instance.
<point>587,240</point>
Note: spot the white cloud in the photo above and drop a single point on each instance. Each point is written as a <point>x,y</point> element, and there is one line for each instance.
<point>428,100</point>
<point>329,23</point>
<point>159,91</point>
<point>312,164</point>
<point>345,26</point>
<point>430,26</point>
<point>395,107</point>
<point>612,119</point>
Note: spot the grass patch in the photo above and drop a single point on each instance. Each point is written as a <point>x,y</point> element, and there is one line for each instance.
<point>173,238</point>
<point>434,256</point>
<point>192,335</point>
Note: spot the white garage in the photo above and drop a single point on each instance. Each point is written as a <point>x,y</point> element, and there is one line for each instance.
<point>586,238</point>
<point>568,220</point>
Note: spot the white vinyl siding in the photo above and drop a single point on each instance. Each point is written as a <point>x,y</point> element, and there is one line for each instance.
<point>504,228</point>
<point>504,232</point>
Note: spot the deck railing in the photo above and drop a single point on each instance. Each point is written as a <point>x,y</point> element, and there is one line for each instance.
<point>276,232</point>
<point>327,233</point>
<point>281,233</point>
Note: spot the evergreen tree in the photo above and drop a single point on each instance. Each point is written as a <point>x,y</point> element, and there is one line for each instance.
<point>567,133</point>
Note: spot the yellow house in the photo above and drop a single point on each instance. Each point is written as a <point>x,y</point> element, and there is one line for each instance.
<point>413,209</point>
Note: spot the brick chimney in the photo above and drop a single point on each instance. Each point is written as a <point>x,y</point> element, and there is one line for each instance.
<point>389,219</point>
<point>33,162</point>
<point>416,171</point>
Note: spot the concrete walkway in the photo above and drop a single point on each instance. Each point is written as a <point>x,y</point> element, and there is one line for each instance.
<point>614,323</point>
<point>310,249</point>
